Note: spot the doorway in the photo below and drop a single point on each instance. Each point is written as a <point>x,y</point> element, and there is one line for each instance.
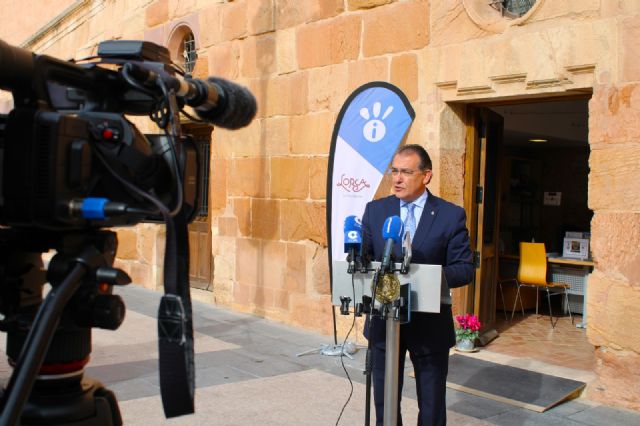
<point>527,180</point>
<point>200,250</point>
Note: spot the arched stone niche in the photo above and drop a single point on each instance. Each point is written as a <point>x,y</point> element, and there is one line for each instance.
<point>491,19</point>
<point>176,42</point>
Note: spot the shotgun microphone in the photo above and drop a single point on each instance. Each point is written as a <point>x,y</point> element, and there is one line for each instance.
<point>216,100</point>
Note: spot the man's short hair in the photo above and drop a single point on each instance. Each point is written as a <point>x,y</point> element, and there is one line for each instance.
<point>425,160</point>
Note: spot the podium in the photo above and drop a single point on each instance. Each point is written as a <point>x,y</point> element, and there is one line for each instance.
<point>425,283</point>
<point>424,295</point>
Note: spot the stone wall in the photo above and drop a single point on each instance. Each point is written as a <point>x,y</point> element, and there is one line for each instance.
<point>301,59</point>
<point>614,195</point>
<point>41,12</point>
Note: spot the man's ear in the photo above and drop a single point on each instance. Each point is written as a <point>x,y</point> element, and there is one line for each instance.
<point>427,177</point>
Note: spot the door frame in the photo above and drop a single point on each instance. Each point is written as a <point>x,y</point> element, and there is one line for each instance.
<point>200,236</point>
<point>480,128</point>
<point>471,164</point>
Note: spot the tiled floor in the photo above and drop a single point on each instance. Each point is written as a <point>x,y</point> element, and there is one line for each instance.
<point>532,337</point>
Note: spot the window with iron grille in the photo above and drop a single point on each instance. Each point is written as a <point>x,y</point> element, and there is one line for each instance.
<point>513,8</point>
<point>203,146</point>
<point>189,52</point>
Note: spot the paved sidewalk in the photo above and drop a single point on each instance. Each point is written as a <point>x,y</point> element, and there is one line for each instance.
<point>248,373</point>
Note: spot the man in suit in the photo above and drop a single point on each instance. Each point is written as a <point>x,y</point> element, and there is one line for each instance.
<point>439,236</point>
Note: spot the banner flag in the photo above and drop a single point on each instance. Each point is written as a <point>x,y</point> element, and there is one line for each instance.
<point>371,124</point>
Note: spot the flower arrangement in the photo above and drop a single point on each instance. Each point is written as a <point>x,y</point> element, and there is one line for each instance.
<point>468,327</point>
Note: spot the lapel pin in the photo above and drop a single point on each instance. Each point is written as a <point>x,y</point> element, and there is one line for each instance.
<point>432,212</point>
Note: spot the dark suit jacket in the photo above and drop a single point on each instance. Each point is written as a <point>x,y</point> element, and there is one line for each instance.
<point>441,239</point>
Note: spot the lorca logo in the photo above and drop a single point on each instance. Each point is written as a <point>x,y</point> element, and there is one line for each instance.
<point>351,184</point>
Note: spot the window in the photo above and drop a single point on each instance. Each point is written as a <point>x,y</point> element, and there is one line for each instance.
<point>189,53</point>
<point>513,8</point>
<point>204,145</point>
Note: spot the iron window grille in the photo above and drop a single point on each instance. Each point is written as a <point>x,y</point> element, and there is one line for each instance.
<point>512,8</point>
<point>203,154</point>
<point>189,53</point>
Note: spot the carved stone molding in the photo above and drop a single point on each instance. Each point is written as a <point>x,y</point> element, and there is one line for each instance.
<point>548,82</point>
<point>508,78</point>
<point>581,69</point>
<point>577,78</point>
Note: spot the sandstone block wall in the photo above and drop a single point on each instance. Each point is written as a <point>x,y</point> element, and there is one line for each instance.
<point>613,303</point>
<point>301,59</point>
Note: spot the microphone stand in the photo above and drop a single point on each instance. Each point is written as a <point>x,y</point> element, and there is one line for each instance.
<point>356,265</point>
<point>392,313</point>
<point>368,361</point>
<point>391,360</point>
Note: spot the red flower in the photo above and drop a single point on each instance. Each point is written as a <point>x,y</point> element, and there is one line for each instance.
<point>468,322</point>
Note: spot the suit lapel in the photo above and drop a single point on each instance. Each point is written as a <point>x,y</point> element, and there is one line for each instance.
<point>394,206</point>
<point>426,220</point>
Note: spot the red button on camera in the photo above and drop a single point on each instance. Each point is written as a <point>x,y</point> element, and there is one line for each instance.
<point>107,134</point>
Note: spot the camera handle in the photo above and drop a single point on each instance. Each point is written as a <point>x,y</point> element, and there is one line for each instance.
<point>34,349</point>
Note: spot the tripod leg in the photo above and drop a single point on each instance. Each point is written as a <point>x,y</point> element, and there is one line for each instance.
<point>310,351</point>
<point>36,346</point>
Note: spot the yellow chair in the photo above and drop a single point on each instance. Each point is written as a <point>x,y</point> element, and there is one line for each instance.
<point>532,272</point>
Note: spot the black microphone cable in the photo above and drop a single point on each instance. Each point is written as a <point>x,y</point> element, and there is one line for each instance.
<point>172,146</point>
<point>353,324</point>
<point>126,74</point>
<point>162,115</point>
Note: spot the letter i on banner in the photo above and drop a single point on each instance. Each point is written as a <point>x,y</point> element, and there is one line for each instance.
<point>371,124</point>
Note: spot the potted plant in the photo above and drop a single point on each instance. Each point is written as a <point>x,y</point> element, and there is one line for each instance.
<point>467,331</point>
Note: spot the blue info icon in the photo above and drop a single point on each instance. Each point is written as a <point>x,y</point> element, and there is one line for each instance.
<point>375,122</point>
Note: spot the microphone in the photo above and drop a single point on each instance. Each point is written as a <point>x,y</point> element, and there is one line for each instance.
<point>352,241</point>
<point>392,232</point>
<point>406,251</point>
<point>235,107</point>
<point>215,100</point>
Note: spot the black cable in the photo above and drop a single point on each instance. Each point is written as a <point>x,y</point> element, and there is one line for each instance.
<point>353,323</point>
<point>164,211</point>
<point>162,114</point>
<point>172,148</point>
<point>126,69</point>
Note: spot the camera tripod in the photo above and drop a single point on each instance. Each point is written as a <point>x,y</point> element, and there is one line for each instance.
<point>49,342</point>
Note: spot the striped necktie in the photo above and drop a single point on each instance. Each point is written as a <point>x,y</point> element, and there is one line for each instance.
<point>410,220</point>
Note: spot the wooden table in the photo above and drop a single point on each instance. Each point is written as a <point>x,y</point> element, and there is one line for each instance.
<point>562,260</point>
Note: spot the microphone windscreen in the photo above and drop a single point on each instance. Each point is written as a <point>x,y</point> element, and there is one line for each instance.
<point>16,67</point>
<point>236,107</point>
<point>393,228</point>
<point>352,232</point>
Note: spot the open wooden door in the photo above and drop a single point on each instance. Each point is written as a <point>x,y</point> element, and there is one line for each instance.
<point>482,203</point>
<point>200,251</point>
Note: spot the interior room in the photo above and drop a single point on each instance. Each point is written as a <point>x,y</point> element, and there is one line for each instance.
<point>542,190</point>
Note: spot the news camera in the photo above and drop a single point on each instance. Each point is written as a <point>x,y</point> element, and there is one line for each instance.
<point>73,165</point>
